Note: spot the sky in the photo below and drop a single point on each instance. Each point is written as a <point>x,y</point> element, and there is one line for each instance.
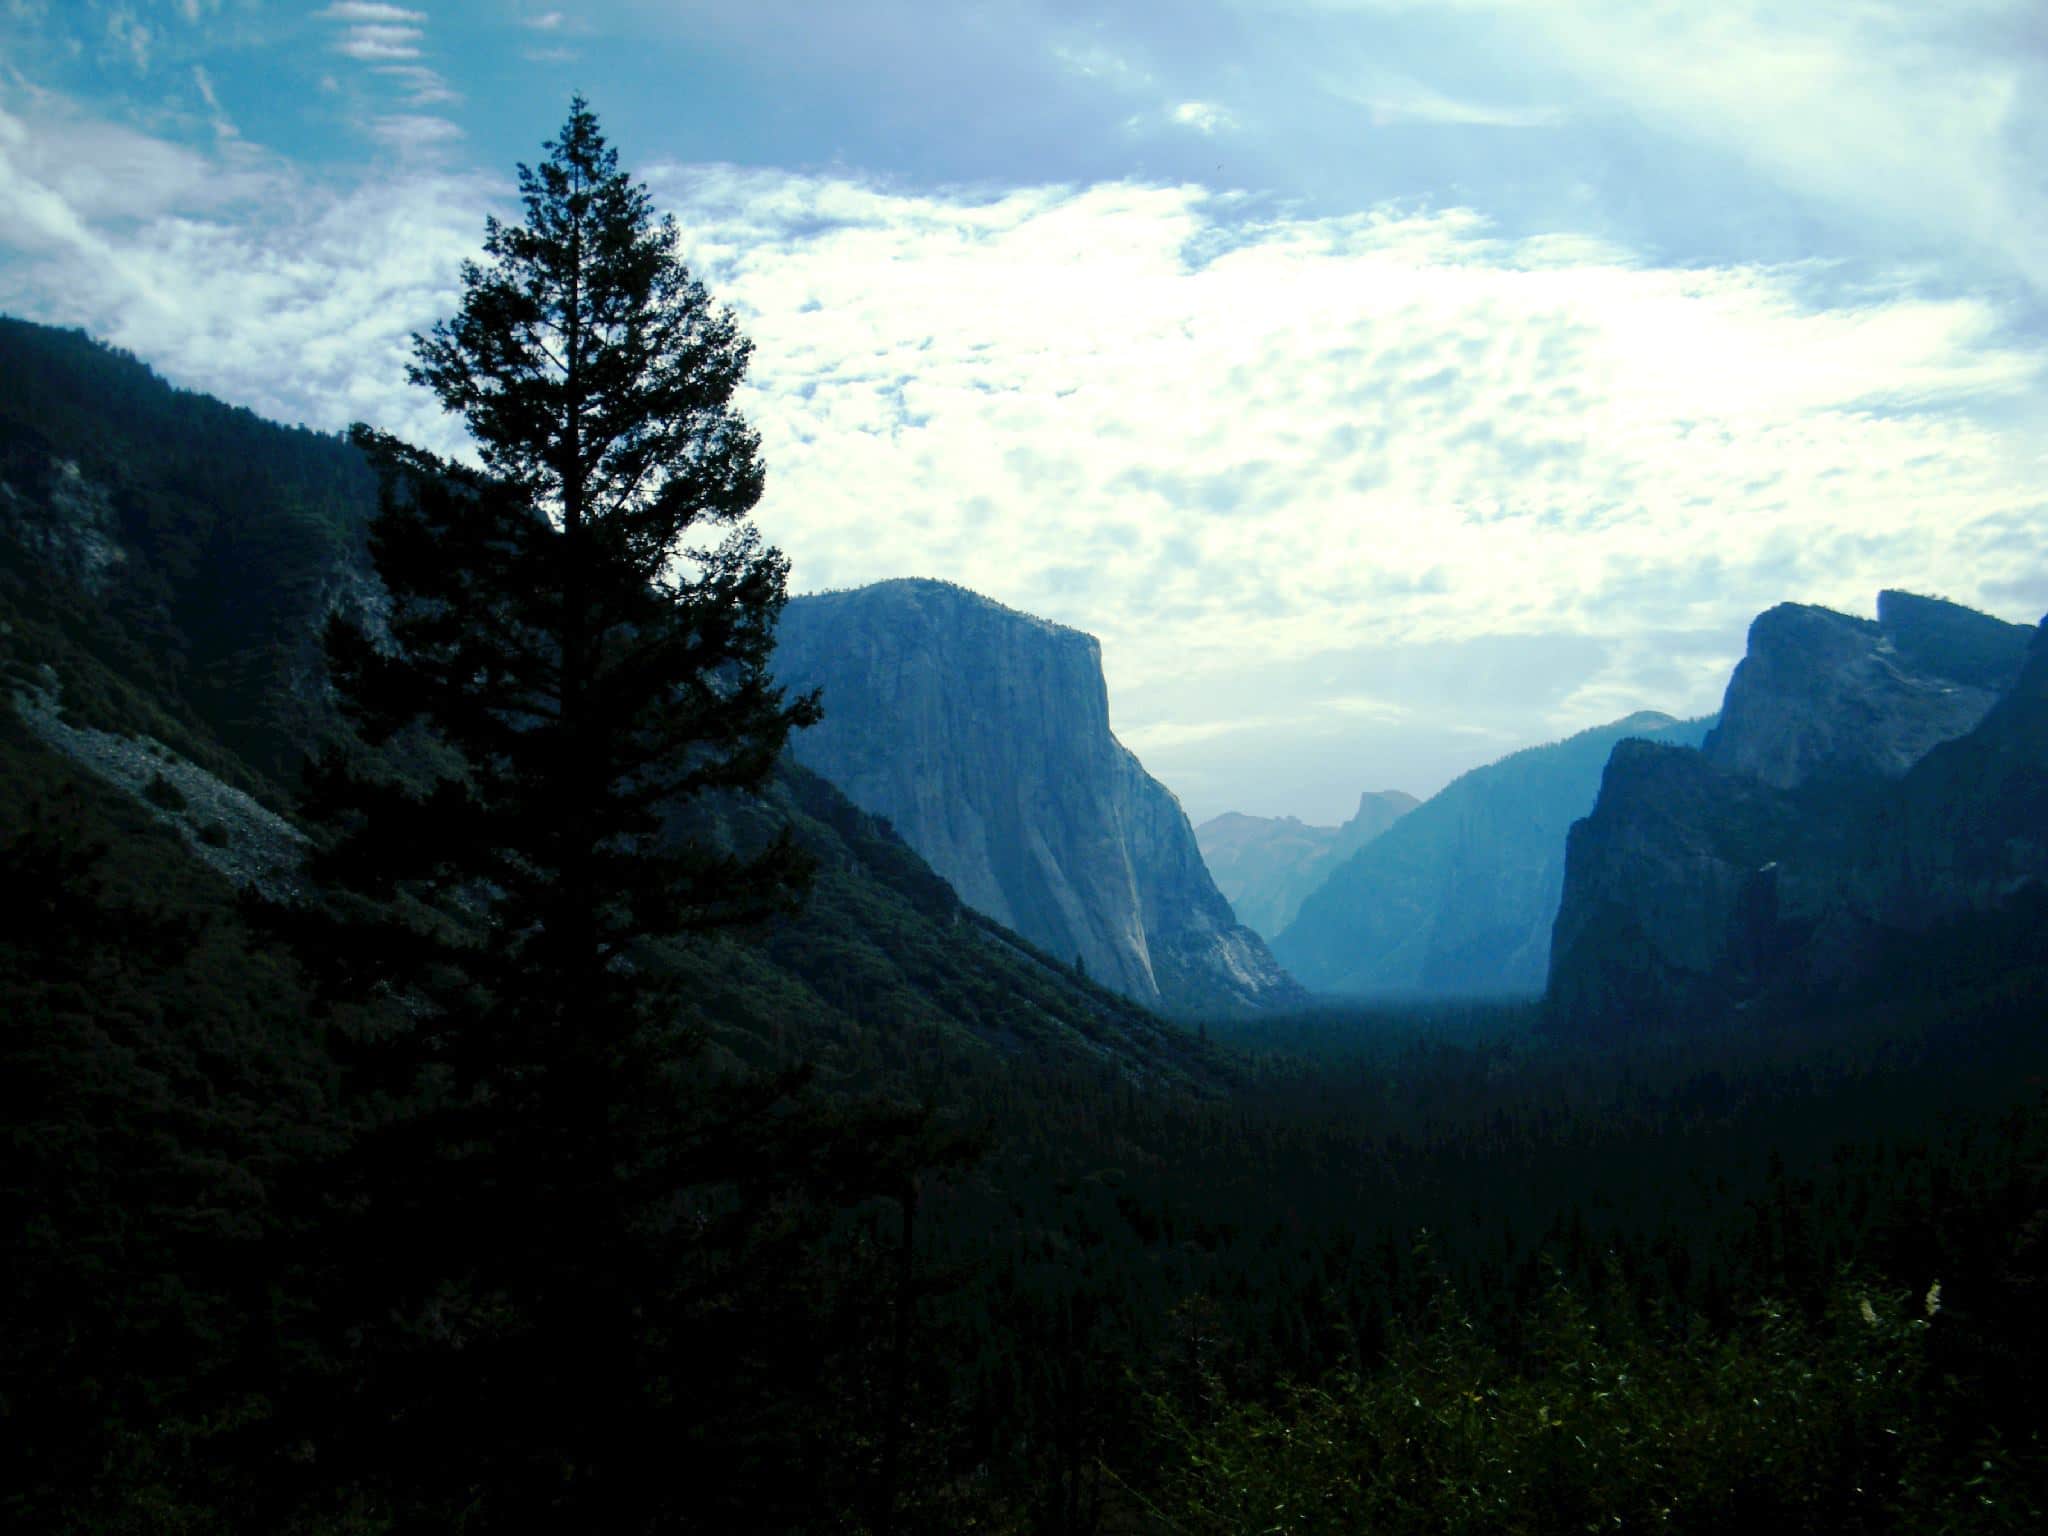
<point>1388,385</point>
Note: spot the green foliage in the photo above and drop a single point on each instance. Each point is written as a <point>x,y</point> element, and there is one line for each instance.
<point>1779,1423</point>
<point>161,1092</point>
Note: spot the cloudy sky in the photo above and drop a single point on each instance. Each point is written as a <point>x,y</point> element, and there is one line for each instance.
<point>1388,384</point>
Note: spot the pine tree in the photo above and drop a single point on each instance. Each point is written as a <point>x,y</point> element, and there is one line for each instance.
<point>576,664</point>
<point>557,1196</point>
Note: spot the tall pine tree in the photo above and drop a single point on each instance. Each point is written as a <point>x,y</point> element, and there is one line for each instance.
<point>571,661</point>
<point>573,1253</point>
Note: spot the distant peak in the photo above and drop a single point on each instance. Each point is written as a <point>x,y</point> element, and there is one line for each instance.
<point>1643,720</point>
<point>1394,799</point>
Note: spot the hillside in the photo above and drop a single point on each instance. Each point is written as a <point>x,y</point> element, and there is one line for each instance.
<point>165,562</point>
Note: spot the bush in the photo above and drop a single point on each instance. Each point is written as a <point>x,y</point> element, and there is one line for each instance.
<point>163,794</point>
<point>1780,1424</point>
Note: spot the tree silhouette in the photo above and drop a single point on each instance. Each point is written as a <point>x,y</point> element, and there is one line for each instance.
<point>559,1189</point>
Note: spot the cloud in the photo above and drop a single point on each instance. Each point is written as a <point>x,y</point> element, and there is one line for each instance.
<point>1202,116</point>
<point>374,43</point>
<point>1909,117</point>
<point>424,87</point>
<point>129,35</point>
<point>1201,436</point>
<point>1393,99</point>
<point>1387,484</point>
<point>223,126</point>
<point>360,11</point>
<point>413,132</point>
<point>391,40</point>
<point>547,21</point>
<point>230,271</point>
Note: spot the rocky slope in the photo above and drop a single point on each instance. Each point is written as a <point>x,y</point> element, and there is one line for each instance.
<point>1457,897</point>
<point>982,735</point>
<point>1870,783</point>
<point>1267,865</point>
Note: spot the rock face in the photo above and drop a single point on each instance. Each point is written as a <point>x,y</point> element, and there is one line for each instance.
<point>983,735</point>
<point>1267,865</point>
<point>1823,695</point>
<point>1869,782</point>
<point>1457,898</point>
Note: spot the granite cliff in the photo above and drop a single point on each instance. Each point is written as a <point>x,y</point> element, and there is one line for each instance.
<point>1267,865</point>
<point>1870,784</point>
<point>982,735</point>
<point>1822,695</point>
<point>1457,897</point>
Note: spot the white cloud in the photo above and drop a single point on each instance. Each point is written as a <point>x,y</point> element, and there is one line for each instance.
<point>1393,430</point>
<point>1394,99</point>
<point>129,35</point>
<point>223,125</point>
<point>359,11</point>
<point>392,41</point>
<point>1278,464</point>
<point>424,87</point>
<point>1921,117</point>
<point>1202,116</point>
<point>547,21</point>
<point>414,133</point>
<point>375,43</point>
<point>231,272</point>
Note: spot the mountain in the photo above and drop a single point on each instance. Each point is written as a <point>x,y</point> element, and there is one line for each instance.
<point>982,734</point>
<point>1457,897</point>
<point>1267,865</point>
<point>1822,695</point>
<point>166,562</point>
<point>1875,791</point>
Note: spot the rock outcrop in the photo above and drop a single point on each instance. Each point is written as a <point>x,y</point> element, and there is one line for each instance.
<point>1868,784</point>
<point>982,734</point>
<point>1822,695</point>
<point>1457,898</point>
<point>1267,865</point>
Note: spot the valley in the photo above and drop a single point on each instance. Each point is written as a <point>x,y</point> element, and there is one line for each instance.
<point>1690,1066</point>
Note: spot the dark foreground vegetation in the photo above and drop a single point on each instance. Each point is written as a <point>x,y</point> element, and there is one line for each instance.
<point>1424,1271</point>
